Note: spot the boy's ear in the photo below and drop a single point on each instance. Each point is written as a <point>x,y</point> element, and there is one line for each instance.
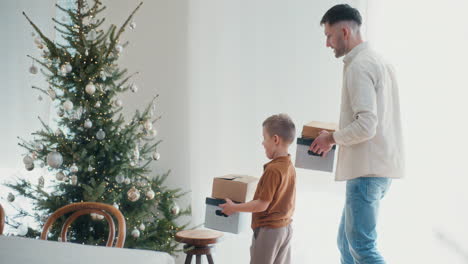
<point>276,139</point>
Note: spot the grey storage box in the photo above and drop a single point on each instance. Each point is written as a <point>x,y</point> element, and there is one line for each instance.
<point>306,159</point>
<point>215,219</point>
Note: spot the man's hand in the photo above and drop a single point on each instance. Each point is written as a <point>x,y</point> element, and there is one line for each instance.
<point>228,207</point>
<point>323,143</point>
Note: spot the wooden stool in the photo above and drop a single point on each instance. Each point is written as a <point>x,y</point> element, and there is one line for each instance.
<point>198,243</point>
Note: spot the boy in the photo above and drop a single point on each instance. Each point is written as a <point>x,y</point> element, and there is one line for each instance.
<point>274,200</point>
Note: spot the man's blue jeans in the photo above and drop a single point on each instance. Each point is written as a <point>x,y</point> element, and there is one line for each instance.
<point>357,234</point>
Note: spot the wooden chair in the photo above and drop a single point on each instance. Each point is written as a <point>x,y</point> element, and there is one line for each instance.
<point>2,219</point>
<point>84,208</point>
<point>198,243</point>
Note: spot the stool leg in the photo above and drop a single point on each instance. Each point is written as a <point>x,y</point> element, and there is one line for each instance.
<point>210,259</point>
<point>198,259</point>
<point>188,259</point>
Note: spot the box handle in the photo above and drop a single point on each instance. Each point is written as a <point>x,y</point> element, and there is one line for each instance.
<point>220,213</point>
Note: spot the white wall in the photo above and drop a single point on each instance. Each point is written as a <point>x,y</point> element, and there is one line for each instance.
<point>19,104</point>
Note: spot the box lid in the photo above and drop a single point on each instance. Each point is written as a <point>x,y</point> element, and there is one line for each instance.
<point>238,178</point>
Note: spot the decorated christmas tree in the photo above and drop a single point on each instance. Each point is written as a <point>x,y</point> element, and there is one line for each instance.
<point>95,155</point>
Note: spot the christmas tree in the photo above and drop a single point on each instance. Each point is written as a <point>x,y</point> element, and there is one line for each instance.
<point>95,155</point>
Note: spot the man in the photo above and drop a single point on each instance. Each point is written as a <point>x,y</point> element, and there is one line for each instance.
<point>369,137</point>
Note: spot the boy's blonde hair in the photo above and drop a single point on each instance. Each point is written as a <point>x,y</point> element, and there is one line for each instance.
<point>281,125</point>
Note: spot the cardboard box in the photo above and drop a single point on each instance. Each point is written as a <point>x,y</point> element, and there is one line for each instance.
<point>306,159</point>
<point>312,129</point>
<point>215,219</point>
<point>239,188</point>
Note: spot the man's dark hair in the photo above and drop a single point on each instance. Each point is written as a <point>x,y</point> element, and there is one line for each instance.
<point>343,12</point>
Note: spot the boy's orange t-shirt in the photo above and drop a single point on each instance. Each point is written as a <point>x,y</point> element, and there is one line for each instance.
<point>277,186</point>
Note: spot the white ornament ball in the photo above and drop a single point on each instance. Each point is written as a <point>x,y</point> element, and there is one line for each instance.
<point>74,168</point>
<point>37,41</point>
<point>100,134</point>
<point>153,132</point>
<point>133,194</point>
<point>68,105</point>
<point>29,167</point>
<point>68,68</point>
<point>90,88</point>
<point>142,227</point>
<point>27,160</point>
<point>156,156</point>
<point>90,168</point>
<point>116,205</point>
<point>135,233</point>
<point>134,88</point>
<point>118,103</point>
<point>10,197</point>
<point>74,179</point>
<point>22,230</point>
<point>34,155</point>
<point>119,48</point>
<point>54,159</point>
<point>150,194</point>
<point>60,176</point>
<point>127,181</point>
<point>119,178</point>
<point>33,69</point>
<point>88,123</point>
<point>132,25</point>
<point>148,125</point>
<point>175,209</point>
<point>98,104</point>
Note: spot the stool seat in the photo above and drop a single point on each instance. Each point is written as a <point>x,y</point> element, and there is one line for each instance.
<point>199,237</point>
<point>198,243</point>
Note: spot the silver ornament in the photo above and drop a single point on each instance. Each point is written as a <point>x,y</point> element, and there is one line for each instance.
<point>33,69</point>
<point>90,88</point>
<point>135,233</point>
<point>132,163</point>
<point>116,205</point>
<point>100,135</point>
<point>134,88</point>
<point>40,182</point>
<point>29,167</point>
<point>10,197</point>
<point>156,156</point>
<point>68,105</point>
<point>118,103</point>
<point>150,194</point>
<point>73,168</point>
<point>119,178</point>
<point>127,181</point>
<point>74,179</point>
<point>103,75</point>
<point>153,132</point>
<point>60,176</point>
<point>142,227</point>
<point>86,52</point>
<point>119,48</point>
<point>148,125</point>
<point>133,194</point>
<point>52,94</point>
<point>88,123</point>
<point>54,159</point>
<point>34,155</point>
<point>175,209</point>
<point>98,104</point>
<point>90,168</point>
<point>27,160</point>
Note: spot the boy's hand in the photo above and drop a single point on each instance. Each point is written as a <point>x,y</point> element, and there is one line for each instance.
<point>323,143</point>
<point>228,207</point>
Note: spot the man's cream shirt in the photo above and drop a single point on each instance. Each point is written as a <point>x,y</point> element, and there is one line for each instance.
<point>370,133</point>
